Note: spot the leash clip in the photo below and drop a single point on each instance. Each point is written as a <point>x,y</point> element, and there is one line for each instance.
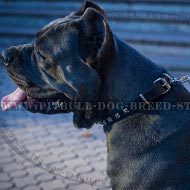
<point>184,79</point>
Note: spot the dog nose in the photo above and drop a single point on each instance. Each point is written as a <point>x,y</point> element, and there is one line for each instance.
<point>6,57</point>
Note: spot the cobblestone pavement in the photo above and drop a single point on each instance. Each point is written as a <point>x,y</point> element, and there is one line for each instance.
<point>54,139</point>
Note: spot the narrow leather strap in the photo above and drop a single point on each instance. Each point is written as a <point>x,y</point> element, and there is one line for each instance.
<point>160,87</point>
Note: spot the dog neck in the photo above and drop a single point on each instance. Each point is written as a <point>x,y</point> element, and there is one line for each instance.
<point>127,75</point>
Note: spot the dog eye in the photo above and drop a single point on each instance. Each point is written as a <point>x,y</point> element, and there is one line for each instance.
<point>39,52</point>
<point>42,54</point>
<point>30,84</point>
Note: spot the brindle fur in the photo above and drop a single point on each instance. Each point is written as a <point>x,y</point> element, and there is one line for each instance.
<point>145,150</point>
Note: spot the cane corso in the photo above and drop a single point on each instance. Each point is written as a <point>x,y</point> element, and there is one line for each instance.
<point>79,59</point>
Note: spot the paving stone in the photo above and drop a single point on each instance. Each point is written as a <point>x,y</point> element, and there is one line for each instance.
<point>20,132</point>
<point>26,137</point>
<point>95,175</point>
<point>55,184</point>
<point>6,185</point>
<point>100,166</point>
<point>4,177</point>
<point>6,153</point>
<point>63,150</point>
<point>44,177</point>
<point>104,157</point>
<point>70,182</point>
<point>41,151</point>
<point>86,153</point>
<point>82,169</point>
<point>2,146</point>
<point>79,146</point>
<point>12,166</point>
<point>54,146</point>
<point>33,171</point>
<point>71,142</point>
<point>44,154</point>
<point>67,156</point>
<point>27,164</point>
<point>100,147</point>
<point>104,172</point>
<point>31,141</point>
<point>36,147</point>
<point>32,188</point>
<point>6,160</point>
<point>30,130</point>
<point>52,158</point>
<point>96,143</point>
<point>104,188</point>
<point>40,134</point>
<point>25,181</point>
<point>18,173</point>
<point>81,187</point>
<point>74,162</point>
<point>1,143</point>
<point>92,160</point>
<point>57,131</point>
<point>51,140</point>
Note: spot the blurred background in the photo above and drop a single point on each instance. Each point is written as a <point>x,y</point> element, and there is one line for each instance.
<point>158,29</point>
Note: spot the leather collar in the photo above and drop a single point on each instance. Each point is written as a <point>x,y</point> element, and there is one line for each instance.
<point>160,87</point>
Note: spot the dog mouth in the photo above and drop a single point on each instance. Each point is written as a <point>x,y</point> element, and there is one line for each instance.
<point>45,105</point>
<point>34,98</point>
<point>12,100</point>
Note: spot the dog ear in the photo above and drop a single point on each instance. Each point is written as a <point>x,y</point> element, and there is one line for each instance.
<point>89,4</point>
<point>95,36</point>
<point>78,75</point>
<point>83,79</point>
<point>95,40</point>
<point>84,59</point>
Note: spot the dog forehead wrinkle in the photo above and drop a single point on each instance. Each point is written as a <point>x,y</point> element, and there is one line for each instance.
<point>60,24</point>
<point>49,26</point>
<point>57,24</point>
<point>49,38</point>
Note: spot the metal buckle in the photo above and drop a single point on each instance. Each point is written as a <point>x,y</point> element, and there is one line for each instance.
<point>171,78</point>
<point>164,83</point>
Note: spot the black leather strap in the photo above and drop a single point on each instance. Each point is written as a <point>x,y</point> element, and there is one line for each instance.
<point>160,87</point>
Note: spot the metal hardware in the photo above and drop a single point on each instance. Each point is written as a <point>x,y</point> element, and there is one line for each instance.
<point>109,119</point>
<point>117,116</point>
<point>144,99</point>
<point>184,79</point>
<point>125,111</point>
<point>104,122</point>
<point>171,78</point>
<point>165,84</point>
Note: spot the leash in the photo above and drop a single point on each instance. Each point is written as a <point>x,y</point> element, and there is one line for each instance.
<point>160,87</point>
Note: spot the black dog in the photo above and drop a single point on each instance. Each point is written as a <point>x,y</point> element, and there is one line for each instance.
<point>79,59</point>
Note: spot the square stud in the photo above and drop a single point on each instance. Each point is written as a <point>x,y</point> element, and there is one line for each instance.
<point>117,116</point>
<point>109,119</point>
<point>125,111</point>
<point>104,122</point>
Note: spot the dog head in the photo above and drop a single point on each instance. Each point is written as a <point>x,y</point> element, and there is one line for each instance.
<point>65,61</point>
